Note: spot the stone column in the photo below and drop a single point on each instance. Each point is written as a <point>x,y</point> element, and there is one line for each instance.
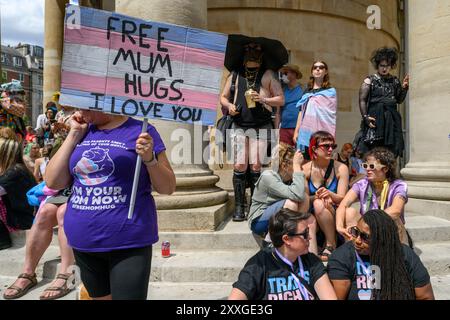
<point>428,170</point>
<point>197,203</point>
<point>53,43</point>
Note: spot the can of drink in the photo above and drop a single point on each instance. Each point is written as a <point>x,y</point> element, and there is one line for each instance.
<point>165,249</point>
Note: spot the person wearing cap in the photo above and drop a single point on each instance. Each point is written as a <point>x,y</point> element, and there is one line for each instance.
<point>290,74</point>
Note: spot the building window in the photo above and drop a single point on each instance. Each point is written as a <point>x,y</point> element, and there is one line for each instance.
<point>41,64</point>
<point>39,52</point>
<point>4,75</point>
<point>21,77</point>
<point>3,58</point>
<point>39,80</point>
<point>17,61</point>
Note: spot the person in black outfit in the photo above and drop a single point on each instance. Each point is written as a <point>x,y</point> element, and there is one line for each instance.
<point>255,91</point>
<point>378,98</point>
<point>15,181</point>
<point>287,271</point>
<point>375,265</point>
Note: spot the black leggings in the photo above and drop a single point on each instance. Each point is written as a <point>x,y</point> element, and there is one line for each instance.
<point>122,273</point>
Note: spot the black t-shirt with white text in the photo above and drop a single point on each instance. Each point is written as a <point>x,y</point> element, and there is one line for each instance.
<point>266,277</point>
<point>343,265</point>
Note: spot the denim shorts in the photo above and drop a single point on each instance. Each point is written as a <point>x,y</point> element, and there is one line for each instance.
<point>261,224</point>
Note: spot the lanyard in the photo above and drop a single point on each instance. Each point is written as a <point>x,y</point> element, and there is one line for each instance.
<point>384,195</point>
<point>302,273</point>
<point>363,266</point>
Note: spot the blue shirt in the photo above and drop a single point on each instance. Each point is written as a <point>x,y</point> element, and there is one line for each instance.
<point>289,112</point>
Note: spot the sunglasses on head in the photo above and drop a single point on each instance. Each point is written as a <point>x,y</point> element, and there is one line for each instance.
<point>327,146</point>
<point>321,67</point>
<point>355,232</point>
<point>372,166</point>
<point>304,234</point>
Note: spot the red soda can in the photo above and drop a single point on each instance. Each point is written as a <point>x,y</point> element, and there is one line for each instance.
<point>165,249</point>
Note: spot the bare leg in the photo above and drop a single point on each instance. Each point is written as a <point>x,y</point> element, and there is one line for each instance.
<point>326,221</point>
<point>352,217</point>
<point>312,224</point>
<point>38,240</point>
<point>67,258</point>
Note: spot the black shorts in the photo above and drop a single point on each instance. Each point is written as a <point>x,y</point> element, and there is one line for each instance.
<point>122,273</point>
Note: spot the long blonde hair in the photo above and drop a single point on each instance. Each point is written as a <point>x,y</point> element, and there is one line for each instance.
<point>10,154</point>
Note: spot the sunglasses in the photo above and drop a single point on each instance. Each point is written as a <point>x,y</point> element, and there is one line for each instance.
<point>304,234</point>
<point>372,166</point>
<point>327,146</point>
<point>385,66</point>
<point>321,67</point>
<point>355,232</point>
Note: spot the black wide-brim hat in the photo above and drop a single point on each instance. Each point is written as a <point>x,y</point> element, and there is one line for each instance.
<point>275,54</point>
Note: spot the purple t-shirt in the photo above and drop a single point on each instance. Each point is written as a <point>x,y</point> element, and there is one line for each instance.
<point>102,167</point>
<point>396,188</point>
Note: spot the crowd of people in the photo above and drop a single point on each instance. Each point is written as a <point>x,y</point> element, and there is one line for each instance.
<point>345,208</point>
<point>312,206</point>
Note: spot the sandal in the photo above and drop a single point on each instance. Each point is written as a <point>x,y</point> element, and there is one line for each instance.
<point>22,291</point>
<point>324,255</point>
<point>63,290</point>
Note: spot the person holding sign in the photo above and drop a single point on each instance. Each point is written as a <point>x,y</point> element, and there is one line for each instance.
<point>287,271</point>
<point>97,157</point>
<point>375,265</point>
<point>256,92</point>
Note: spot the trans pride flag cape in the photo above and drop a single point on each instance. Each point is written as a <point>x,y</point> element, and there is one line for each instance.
<point>318,113</point>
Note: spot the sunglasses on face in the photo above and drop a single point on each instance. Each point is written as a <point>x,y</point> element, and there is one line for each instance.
<point>304,234</point>
<point>321,67</point>
<point>355,232</point>
<point>385,66</point>
<point>327,146</point>
<point>372,166</point>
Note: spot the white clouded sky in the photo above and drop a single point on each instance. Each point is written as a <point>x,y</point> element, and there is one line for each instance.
<point>22,21</point>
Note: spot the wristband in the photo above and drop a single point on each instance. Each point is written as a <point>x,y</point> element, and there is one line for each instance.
<point>151,163</point>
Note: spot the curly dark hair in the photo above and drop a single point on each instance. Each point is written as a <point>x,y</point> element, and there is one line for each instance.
<point>390,55</point>
<point>387,158</point>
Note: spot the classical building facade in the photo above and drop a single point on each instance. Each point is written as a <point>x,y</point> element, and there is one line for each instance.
<point>34,57</point>
<point>338,33</point>
<point>14,67</point>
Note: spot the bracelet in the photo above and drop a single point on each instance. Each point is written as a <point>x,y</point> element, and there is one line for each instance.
<point>265,100</point>
<point>151,163</point>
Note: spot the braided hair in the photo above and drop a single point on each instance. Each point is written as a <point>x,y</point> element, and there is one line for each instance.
<point>386,252</point>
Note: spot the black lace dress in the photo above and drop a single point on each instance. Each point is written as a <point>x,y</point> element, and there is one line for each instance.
<point>379,100</point>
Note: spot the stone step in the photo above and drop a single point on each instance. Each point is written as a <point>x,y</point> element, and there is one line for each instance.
<point>156,290</point>
<point>440,209</point>
<point>197,290</point>
<point>435,256</point>
<point>200,266</point>
<point>428,228</point>
<point>229,236</point>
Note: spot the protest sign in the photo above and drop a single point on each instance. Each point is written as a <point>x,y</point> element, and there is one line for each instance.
<point>122,65</point>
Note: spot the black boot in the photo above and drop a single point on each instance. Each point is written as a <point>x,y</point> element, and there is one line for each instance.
<point>5,239</point>
<point>239,195</point>
<point>253,178</point>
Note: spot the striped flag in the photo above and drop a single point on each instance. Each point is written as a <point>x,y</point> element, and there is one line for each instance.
<point>123,65</point>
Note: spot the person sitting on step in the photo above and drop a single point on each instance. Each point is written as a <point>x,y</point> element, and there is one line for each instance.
<point>375,265</point>
<point>281,188</point>
<point>287,271</point>
<point>327,182</point>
